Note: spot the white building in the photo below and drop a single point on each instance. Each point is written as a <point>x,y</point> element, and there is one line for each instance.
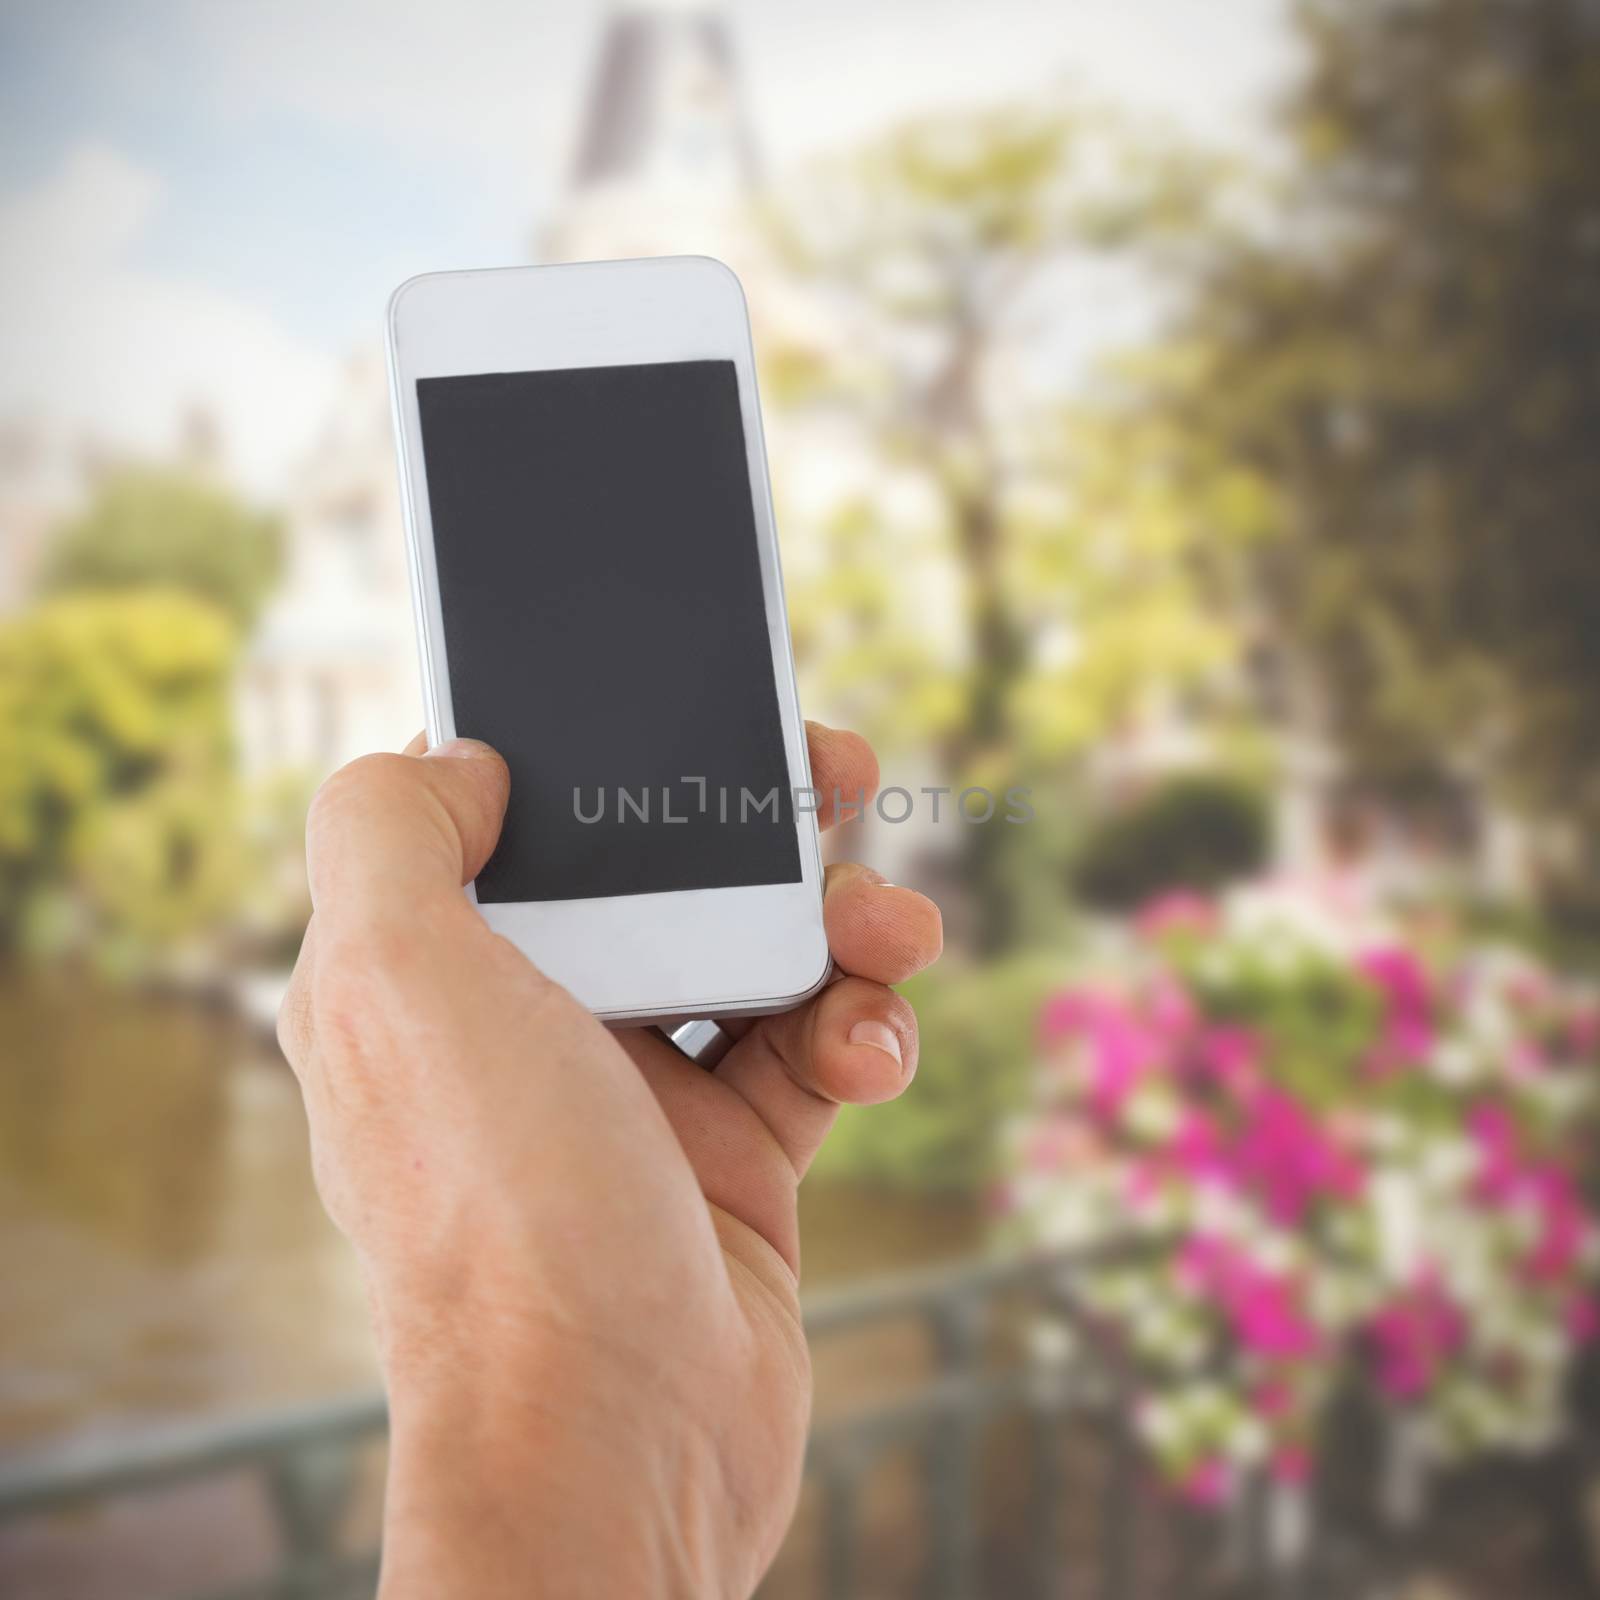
<point>665,162</point>
<point>332,670</point>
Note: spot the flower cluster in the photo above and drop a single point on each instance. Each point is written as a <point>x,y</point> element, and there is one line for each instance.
<point>1334,1155</point>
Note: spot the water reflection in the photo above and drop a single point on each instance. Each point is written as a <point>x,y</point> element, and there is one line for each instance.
<point>160,1239</point>
<point>162,1245</point>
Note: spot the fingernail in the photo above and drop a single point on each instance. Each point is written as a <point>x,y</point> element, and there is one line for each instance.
<point>880,1036</point>
<point>460,749</point>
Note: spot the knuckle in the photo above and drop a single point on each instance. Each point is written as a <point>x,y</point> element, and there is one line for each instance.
<point>868,759</point>
<point>328,1178</point>
<point>294,1023</point>
<point>899,1013</point>
<point>352,788</point>
<point>362,963</point>
<point>362,978</point>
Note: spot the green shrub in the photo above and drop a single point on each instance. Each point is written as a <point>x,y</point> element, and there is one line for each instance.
<point>1199,831</point>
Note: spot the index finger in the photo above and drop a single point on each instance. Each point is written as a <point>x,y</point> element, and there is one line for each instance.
<point>844,771</point>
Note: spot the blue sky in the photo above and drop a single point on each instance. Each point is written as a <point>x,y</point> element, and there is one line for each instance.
<point>213,199</point>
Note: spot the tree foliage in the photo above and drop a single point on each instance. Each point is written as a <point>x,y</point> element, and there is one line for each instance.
<point>1413,359</point>
<point>1008,575</point>
<point>115,773</point>
<point>149,525</point>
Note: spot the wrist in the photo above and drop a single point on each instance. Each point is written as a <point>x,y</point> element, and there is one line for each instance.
<point>536,1474</point>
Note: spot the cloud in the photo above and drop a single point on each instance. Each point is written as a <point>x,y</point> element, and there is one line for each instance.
<point>90,340</point>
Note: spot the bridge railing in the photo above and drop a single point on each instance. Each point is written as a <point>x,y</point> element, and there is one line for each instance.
<point>1000,1345</point>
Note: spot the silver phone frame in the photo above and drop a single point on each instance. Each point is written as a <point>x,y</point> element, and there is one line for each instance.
<point>510,319</point>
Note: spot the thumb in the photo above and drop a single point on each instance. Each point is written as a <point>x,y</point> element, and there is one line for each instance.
<point>389,831</point>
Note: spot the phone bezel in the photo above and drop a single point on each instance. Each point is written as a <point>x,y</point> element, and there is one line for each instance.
<point>633,958</point>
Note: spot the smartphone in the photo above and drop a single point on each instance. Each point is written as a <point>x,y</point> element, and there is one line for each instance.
<point>595,581</point>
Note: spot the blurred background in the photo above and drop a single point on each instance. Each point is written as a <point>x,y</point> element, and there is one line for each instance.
<point>1190,413</point>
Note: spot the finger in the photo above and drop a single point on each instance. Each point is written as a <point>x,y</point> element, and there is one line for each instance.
<point>844,772</point>
<point>416,746</point>
<point>740,1166</point>
<point>389,834</point>
<point>876,930</point>
<point>855,1044</point>
<point>295,1031</point>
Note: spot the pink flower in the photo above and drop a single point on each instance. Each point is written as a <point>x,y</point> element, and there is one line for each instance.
<point>1400,975</point>
<point>1232,1056</point>
<point>1530,990</point>
<point>1207,1483</point>
<point>1582,1317</point>
<point>1061,1142</point>
<point>1171,1010</point>
<point>1291,1463</point>
<point>1197,1152</point>
<point>1268,1321</point>
<point>1563,1222</point>
<point>1526,1058</point>
<point>1414,1335</point>
<point>1144,1178</point>
<point>1119,1047</point>
<point>1179,911</point>
<point>1408,1007</point>
<point>1290,1161</point>
<point>1272,1398</point>
<point>1493,1129</point>
<point>1583,1030</point>
<point>1062,1015</point>
<point>1262,1307</point>
<point>1505,1175</point>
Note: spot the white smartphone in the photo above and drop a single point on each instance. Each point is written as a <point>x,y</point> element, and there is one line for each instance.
<point>595,578</point>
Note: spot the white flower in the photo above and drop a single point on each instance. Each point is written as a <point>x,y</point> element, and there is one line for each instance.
<point>1387,1133</point>
<point>1397,1207</point>
<point>1452,1063</point>
<point>1151,1112</point>
<point>1248,1440</point>
<point>1277,1253</point>
<point>1053,1343</point>
<point>1188,1347</point>
<point>1489,1024</point>
<point>1542,1345</point>
<point>1161,1423</point>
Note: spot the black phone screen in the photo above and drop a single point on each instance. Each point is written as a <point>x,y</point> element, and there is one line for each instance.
<point>605,626</point>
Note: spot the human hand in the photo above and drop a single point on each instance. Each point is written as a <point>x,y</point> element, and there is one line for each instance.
<point>580,1248</point>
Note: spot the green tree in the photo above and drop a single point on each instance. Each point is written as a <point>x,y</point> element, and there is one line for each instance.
<point>116,777</point>
<point>149,525</point>
<point>1413,360</point>
<point>1013,575</point>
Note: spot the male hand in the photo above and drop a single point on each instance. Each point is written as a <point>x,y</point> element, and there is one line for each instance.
<point>580,1248</point>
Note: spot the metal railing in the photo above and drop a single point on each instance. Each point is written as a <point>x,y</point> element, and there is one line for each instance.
<point>999,1345</point>
<point>989,1330</point>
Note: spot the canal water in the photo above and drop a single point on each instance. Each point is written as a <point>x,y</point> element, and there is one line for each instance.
<point>162,1250</point>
